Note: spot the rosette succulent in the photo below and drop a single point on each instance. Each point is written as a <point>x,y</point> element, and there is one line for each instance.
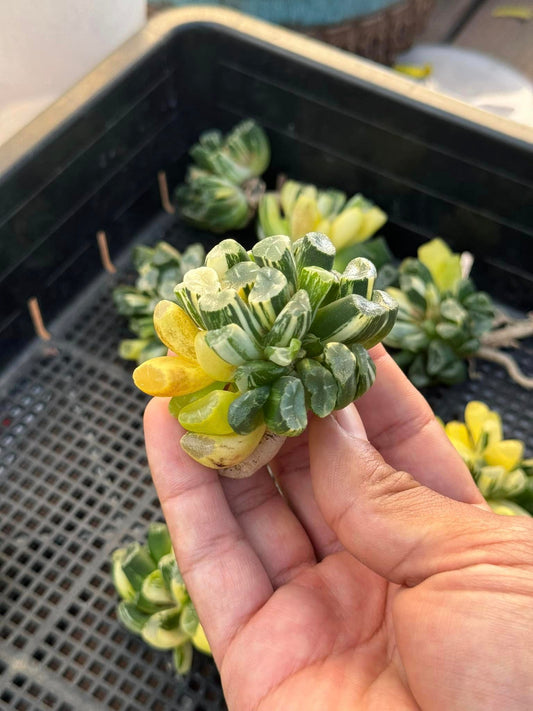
<point>155,603</point>
<point>498,466</point>
<point>261,338</point>
<point>299,208</point>
<point>223,185</point>
<point>441,317</point>
<point>158,268</point>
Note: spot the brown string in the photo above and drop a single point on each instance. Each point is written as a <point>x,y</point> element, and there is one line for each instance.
<point>103,247</point>
<point>163,192</point>
<point>37,319</point>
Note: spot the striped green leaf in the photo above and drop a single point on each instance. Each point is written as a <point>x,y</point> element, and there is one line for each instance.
<point>158,540</point>
<point>342,364</point>
<point>366,369</point>
<point>293,321</point>
<point>233,344</point>
<point>320,386</point>
<point>268,296</point>
<point>391,307</point>
<point>246,412</point>
<point>284,411</point>
<point>276,252</point>
<point>224,255</point>
<point>226,307</point>
<point>131,617</point>
<point>358,278</point>
<point>284,355</point>
<point>196,283</point>
<point>352,318</point>
<point>257,373</point>
<point>241,277</point>
<point>314,250</point>
<point>317,282</point>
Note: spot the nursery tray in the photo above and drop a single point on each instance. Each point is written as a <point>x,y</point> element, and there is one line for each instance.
<point>74,482</point>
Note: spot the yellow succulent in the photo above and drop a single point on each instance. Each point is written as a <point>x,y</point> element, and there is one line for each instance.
<point>497,464</point>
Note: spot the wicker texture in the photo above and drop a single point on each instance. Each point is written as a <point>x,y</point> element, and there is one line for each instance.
<point>379,36</point>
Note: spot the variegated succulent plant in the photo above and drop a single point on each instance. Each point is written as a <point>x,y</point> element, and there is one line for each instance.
<point>223,186</point>
<point>155,603</point>
<point>441,316</point>
<point>299,208</point>
<point>261,338</point>
<point>158,269</point>
<point>498,466</point>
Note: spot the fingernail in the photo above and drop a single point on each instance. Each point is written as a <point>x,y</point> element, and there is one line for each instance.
<point>349,420</point>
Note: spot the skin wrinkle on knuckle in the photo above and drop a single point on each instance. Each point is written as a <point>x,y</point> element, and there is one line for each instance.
<point>403,430</point>
<point>211,548</point>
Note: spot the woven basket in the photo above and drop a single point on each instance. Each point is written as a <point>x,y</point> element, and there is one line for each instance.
<point>379,36</point>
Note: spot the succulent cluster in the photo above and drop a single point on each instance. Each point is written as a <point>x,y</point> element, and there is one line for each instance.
<point>159,268</point>
<point>261,338</point>
<point>223,185</point>
<point>441,317</point>
<point>498,466</point>
<point>154,600</point>
<point>299,208</point>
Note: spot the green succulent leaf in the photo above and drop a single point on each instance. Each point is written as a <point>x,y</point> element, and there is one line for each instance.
<point>285,411</point>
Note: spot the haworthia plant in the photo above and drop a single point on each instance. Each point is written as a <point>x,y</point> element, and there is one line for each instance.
<point>299,208</point>
<point>503,475</point>
<point>158,270</point>
<point>154,602</point>
<point>223,185</point>
<point>262,338</point>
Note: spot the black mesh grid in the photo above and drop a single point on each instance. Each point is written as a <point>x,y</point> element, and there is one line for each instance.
<point>74,484</point>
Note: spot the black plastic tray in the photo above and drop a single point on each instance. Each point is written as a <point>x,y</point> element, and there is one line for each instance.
<point>74,482</point>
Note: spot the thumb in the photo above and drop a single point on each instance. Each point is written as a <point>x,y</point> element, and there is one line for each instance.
<point>399,528</point>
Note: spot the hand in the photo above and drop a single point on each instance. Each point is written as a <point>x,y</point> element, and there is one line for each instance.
<point>363,587</point>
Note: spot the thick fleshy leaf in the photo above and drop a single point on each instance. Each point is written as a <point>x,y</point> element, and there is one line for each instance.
<point>444,265</point>
<point>169,376</point>
<point>221,451</point>
<point>506,453</point>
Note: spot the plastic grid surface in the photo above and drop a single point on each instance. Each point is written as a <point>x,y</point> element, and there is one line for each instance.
<point>74,484</point>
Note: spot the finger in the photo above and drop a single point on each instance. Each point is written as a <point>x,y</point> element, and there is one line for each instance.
<point>223,574</point>
<point>291,468</point>
<point>274,532</point>
<point>402,427</point>
<point>399,528</point>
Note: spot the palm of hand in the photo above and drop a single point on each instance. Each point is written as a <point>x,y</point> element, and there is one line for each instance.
<point>296,621</point>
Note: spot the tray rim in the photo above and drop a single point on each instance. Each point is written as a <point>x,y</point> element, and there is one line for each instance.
<point>162,26</point>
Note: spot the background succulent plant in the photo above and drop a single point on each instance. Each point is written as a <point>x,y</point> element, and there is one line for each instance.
<point>223,185</point>
<point>155,603</point>
<point>299,208</point>
<point>441,316</point>
<point>158,268</point>
<point>498,466</point>
<point>261,338</point>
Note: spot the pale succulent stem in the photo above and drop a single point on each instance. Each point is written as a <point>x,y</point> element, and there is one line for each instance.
<point>262,455</point>
<point>510,365</point>
<point>253,189</point>
<point>508,335</point>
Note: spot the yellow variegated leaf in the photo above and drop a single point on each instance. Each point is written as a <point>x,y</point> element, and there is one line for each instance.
<point>506,508</point>
<point>373,220</point>
<point>506,453</point>
<point>458,431</point>
<point>305,216</point>
<point>345,228</point>
<point>200,640</point>
<point>476,415</point>
<point>168,376</point>
<point>175,328</point>
<point>220,451</point>
<point>210,361</point>
<point>324,226</point>
<point>492,429</point>
<point>443,264</point>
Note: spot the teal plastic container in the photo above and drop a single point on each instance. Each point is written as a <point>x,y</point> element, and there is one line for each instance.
<point>303,13</point>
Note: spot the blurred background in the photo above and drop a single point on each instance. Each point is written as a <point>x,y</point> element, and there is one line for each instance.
<point>480,51</point>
